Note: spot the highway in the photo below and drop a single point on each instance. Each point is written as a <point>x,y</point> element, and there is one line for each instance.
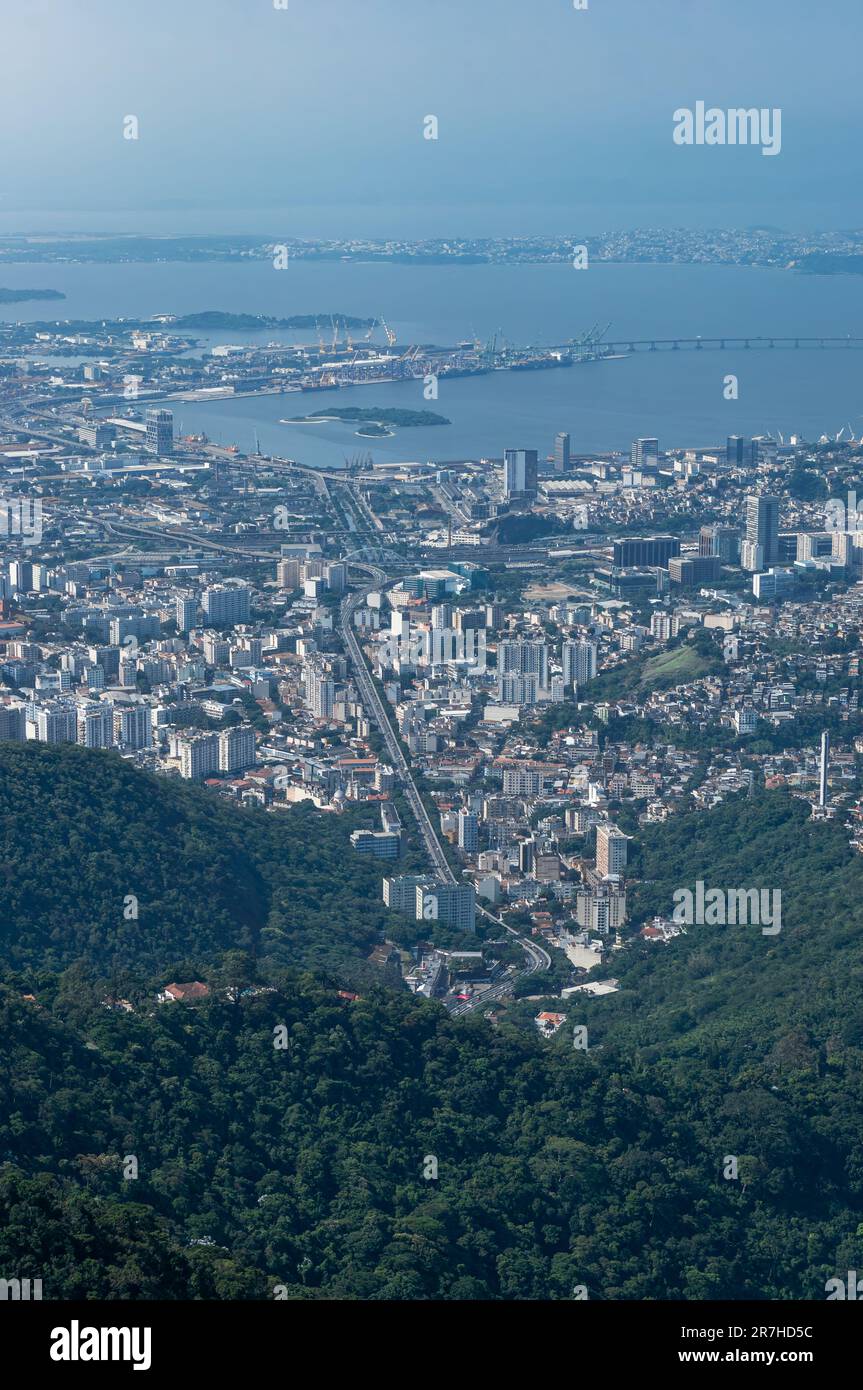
<point>374,704</point>
<point>538,958</point>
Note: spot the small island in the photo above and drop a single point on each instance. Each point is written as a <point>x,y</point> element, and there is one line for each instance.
<point>21,296</point>
<point>374,419</point>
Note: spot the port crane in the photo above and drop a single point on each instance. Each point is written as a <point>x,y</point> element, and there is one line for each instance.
<point>391,337</point>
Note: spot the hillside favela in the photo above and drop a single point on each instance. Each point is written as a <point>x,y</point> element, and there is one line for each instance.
<point>431,751</point>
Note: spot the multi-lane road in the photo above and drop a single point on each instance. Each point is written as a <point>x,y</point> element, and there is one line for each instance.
<point>538,959</point>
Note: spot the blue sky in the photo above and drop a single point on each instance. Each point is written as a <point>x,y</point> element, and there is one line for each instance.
<point>549,118</point>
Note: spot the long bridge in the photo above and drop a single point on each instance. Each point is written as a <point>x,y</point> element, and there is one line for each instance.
<point>603,348</point>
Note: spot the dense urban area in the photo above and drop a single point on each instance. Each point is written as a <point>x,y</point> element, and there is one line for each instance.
<point>501,670</point>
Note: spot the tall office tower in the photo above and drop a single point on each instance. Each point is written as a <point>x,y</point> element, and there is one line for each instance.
<point>561,453</point>
<point>160,431</point>
<point>611,846</point>
<point>524,659</point>
<point>468,832</point>
<point>740,452</point>
<point>226,605</point>
<point>761,546</point>
<point>237,748</point>
<point>644,453</point>
<point>133,726</point>
<point>13,724</point>
<point>96,726</point>
<point>187,612</point>
<point>579,662</point>
<point>288,574</point>
<point>199,756</point>
<point>825,761</point>
<point>20,576</point>
<point>519,472</point>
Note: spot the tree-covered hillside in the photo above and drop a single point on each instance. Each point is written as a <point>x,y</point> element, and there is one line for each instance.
<point>82,832</point>
<point>306,1166</point>
<point>387,1150</point>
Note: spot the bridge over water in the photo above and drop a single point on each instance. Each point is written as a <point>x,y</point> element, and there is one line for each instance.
<point>604,348</point>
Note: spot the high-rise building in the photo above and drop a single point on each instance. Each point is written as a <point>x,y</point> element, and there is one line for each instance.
<point>320,691</point>
<point>664,626</point>
<point>452,904</point>
<point>514,689</point>
<point>96,726</point>
<point>519,472</point>
<point>521,781</point>
<point>579,662</point>
<point>160,431</point>
<point>199,756</point>
<point>21,576</point>
<point>561,452</point>
<point>187,612</point>
<point>644,550</point>
<point>740,452</point>
<point>288,573</point>
<point>57,724</point>
<point>468,832</point>
<point>644,453</point>
<point>337,577</point>
<point>13,724</point>
<point>611,846</point>
<point>601,909</point>
<point>495,614</point>
<point>133,726</point>
<point>721,541</point>
<point>524,659</point>
<point>226,605</point>
<point>688,570</point>
<point>400,893</point>
<point>237,748</point>
<point>761,547</point>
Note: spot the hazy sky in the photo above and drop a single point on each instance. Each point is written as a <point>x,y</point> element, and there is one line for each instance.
<point>549,118</point>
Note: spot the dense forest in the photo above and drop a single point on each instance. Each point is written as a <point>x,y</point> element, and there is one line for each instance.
<point>83,832</point>
<point>286,1139</point>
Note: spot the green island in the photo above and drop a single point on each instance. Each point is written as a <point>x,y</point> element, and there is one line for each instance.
<point>21,296</point>
<point>406,419</point>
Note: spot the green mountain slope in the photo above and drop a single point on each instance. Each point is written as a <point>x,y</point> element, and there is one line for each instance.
<point>389,1151</point>
<point>82,831</point>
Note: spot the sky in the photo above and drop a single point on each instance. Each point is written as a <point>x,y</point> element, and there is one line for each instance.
<point>309,120</point>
